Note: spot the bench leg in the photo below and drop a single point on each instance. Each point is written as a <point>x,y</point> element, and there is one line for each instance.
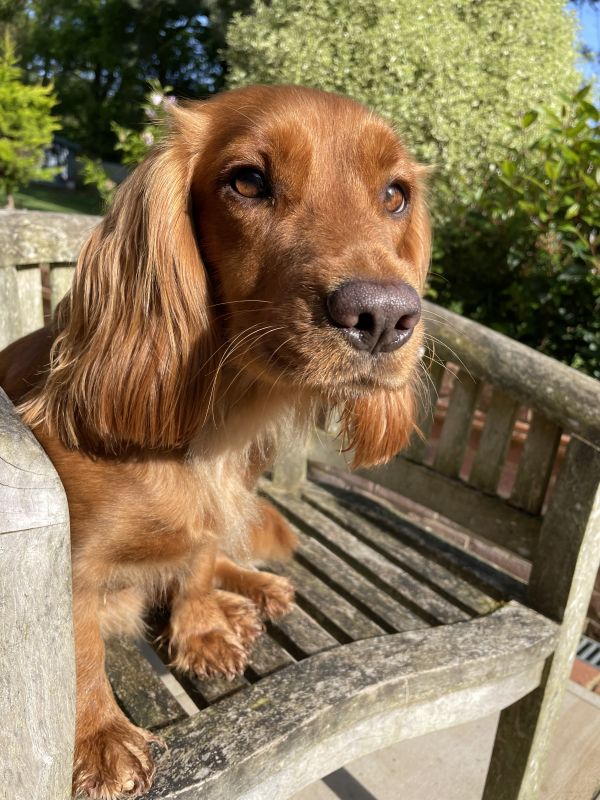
<point>561,583</point>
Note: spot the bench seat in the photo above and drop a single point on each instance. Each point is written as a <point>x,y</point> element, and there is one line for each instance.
<point>395,634</point>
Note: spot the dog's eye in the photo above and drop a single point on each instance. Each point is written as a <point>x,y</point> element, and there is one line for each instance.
<point>249,182</point>
<point>394,199</point>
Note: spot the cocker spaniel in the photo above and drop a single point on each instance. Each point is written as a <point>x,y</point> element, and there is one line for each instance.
<point>265,260</point>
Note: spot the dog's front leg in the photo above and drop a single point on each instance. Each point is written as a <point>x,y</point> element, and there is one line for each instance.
<point>211,631</point>
<point>112,758</point>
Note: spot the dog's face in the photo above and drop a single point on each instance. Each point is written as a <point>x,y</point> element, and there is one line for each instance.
<point>311,224</point>
<point>276,232</point>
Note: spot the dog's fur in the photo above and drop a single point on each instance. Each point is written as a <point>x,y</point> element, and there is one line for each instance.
<point>193,342</point>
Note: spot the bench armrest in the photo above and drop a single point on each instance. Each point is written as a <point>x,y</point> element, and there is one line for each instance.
<point>37,670</point>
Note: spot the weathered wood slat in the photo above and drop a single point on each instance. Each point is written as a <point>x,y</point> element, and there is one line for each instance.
<point>61,277</point>
<point>215,689</point>
<point>494,442</point>
<point>424,568</point>
<point>406,589</point>
<point>29,298</point>
<point>10,316</point>
<point>267,656</point>
<point>566,396</point>
<point>433,547</point>
<point>488,517</point>
<point>561,584</point>
<point>316,715</point>
<point>370,600</point>
<point>417,449</point>
<point>29,237</point>
<point>535,466</point>
<point>326,606</point>
<point>37,673</point>
<point>301,633</point>
<point>456,430</point>
<point>138,688</point>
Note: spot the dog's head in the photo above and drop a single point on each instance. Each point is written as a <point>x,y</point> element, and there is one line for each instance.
<point>277,231</point>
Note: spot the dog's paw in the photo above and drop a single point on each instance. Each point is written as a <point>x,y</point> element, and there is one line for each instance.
<point>242,616</point>
<point>214,636</point>
<point>210,655</point>
<point>271,594</point>
<point>113,762</point>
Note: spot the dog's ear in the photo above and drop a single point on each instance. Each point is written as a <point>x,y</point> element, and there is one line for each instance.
<point>129,363</point>
<point>378,425</point>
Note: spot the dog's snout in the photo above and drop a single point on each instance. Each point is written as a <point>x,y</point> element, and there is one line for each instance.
<point>376,317</point>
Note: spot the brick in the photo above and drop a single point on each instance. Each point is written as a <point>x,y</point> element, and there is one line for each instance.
<point>585,674</point>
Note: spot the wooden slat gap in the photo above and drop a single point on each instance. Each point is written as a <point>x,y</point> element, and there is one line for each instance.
<point>420,576</point>
<point>464,564</point>
<point>343,592</point>
<point>427,617</point>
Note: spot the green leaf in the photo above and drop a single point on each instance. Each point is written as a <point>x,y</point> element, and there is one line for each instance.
<point>508,168</point>
<point>552,169</point>
<point>583,92</point>
<point>572,211</point>
<point>529,118</point>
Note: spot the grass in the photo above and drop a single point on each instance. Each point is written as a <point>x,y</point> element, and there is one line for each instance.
<point>50,198</point>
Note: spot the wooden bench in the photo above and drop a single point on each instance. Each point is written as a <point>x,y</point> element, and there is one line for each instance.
<point>397,630</point>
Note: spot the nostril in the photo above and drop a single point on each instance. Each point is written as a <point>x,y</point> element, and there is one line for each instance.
<point>407,322</point>
<point>365,322</point>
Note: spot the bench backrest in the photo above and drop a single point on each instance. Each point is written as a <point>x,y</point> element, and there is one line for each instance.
<point>513,436</point>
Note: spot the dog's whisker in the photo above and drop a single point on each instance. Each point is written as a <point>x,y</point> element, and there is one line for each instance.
<point>237,341</point>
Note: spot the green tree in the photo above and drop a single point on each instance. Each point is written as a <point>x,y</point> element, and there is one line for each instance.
<point>453,75</point>
<point>526,258</point>
<point>133,143</point>
<point>101,54</point>
<point>26,124</point>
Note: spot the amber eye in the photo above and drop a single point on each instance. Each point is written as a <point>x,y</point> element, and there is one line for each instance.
<point>394,199</point>
<point>249,182</point>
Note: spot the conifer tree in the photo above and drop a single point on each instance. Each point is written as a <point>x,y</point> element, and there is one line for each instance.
<point>26,124</point>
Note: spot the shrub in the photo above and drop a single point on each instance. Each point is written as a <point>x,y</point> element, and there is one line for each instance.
<point>525,258</point>
<point>453,75</point>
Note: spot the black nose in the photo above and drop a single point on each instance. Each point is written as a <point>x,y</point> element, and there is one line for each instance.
<point>377,317</point>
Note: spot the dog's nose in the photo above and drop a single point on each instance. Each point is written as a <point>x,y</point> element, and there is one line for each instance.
<point>377,317</point>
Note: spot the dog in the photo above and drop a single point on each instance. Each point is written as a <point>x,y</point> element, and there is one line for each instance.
<point>264,262</point>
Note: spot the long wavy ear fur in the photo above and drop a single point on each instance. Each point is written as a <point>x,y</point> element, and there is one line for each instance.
<point>129,362</point>
<point>379,425</point>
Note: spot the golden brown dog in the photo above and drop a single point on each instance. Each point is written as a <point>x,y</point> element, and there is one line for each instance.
<point>265,260</point>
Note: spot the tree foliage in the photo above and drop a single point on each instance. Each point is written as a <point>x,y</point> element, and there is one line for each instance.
<point>100,55</point>
<point>453,75</point>
<point>526,257</point>
<point>26,124</point>
<point>134,144</point>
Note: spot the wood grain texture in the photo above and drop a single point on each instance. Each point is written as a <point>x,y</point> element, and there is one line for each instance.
<point>61,276</point>
<point>37,674</point>
<point>456,430</point>
<point>535,465</point>
<point>10,314</point>
<point>29,237</point>
<point>567,397</point>
<point>138,688</point>
<point>485,516</point>
<point>422,566</point>
<point>376,567</point>
<point>291,726</point>
<point>29,299</point>
<point>494,442</point>
<point>432,381</point>
<point>561,584</point>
